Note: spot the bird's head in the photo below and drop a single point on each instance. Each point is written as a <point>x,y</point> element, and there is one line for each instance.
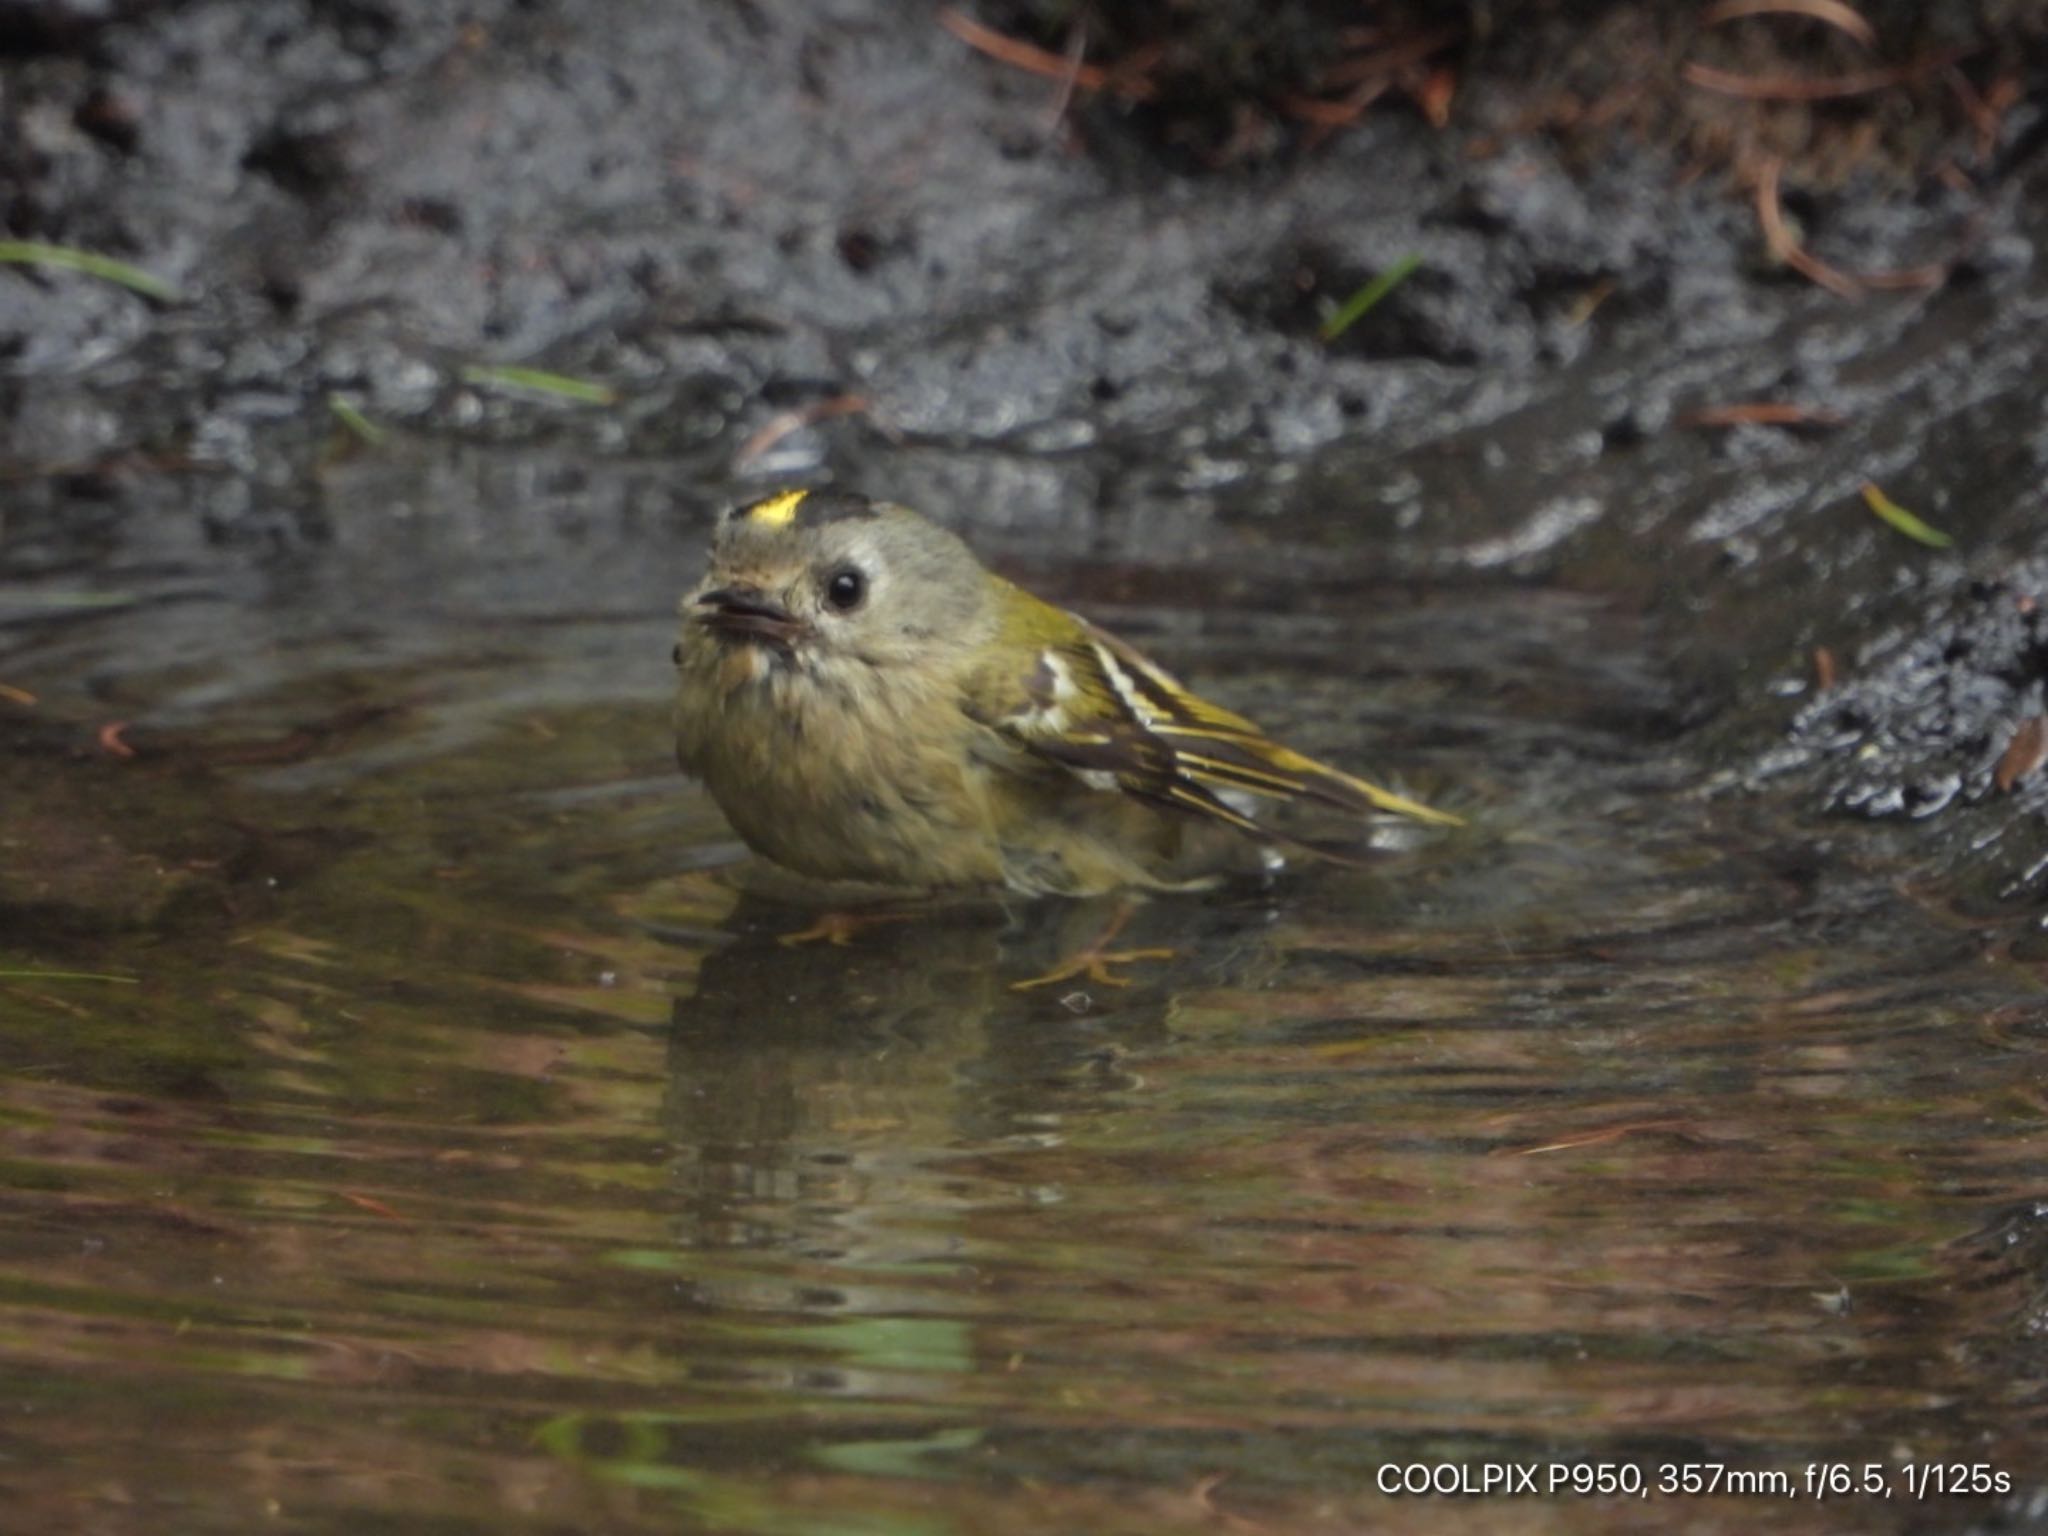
<point>818,578</point>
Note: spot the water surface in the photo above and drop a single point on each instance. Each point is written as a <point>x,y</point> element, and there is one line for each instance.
<point>456,1148</point>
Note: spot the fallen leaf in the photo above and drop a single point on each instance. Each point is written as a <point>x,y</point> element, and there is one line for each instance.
<point>2023,755</point>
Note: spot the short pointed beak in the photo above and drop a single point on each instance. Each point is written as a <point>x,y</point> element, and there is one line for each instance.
<point>749,613</point>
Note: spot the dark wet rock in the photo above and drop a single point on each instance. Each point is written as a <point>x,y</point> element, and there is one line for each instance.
<point>1926,718</point>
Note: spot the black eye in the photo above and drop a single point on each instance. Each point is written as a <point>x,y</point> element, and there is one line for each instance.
<point>845,588</point>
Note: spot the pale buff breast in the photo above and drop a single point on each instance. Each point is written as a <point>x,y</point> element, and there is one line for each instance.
<point>832,773</point>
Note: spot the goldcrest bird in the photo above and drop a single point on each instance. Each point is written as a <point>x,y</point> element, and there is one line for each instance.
<point>867,702</point>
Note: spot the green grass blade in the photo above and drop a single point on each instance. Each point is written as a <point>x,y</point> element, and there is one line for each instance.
<point>34,253</point>
<point>351,416</point>
<point>1903,520</point>
<point>557,384</point>
<point>123,981</point>
<point>1354,309</point>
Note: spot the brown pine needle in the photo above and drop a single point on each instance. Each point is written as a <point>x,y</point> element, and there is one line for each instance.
<point>1336,114</point>
<point>110,739</point>
<point>1388,62</point>
<point>1019,54</point>
<point>1784,246</point>
<point>1972,102</point>
<point>1433,96</point>
<point>1824,669</point>
<point>1063,98</point>
<point>2004,93</point>
<point>1601,1138</point>
<point>2023,755</point>
<point>1610,106</point>
<point>1587,304</point>
<point>19,696</point>
<point>1812,87</point>
<point>1835,13</point>
<point>369,1203</point>
<point>1763,413</point>
<point>1204,1493</point>
<point>783,423</point>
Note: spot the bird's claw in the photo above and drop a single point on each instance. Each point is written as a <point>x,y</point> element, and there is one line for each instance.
<point>1093,965</point>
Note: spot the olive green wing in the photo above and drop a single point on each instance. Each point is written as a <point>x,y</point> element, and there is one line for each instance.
<point>1098,708</point>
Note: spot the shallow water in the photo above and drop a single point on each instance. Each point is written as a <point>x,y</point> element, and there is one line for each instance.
<point>454,1148</point>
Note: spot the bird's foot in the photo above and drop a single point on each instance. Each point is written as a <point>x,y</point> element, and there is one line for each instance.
<point>1093,965</point>
<point>1096,962</point>
<point>839,929</point>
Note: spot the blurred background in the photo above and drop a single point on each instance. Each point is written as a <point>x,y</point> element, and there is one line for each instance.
<point>1620,422</point>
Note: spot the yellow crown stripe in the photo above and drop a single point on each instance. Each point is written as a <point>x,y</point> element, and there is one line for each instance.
<point>776,511</point>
